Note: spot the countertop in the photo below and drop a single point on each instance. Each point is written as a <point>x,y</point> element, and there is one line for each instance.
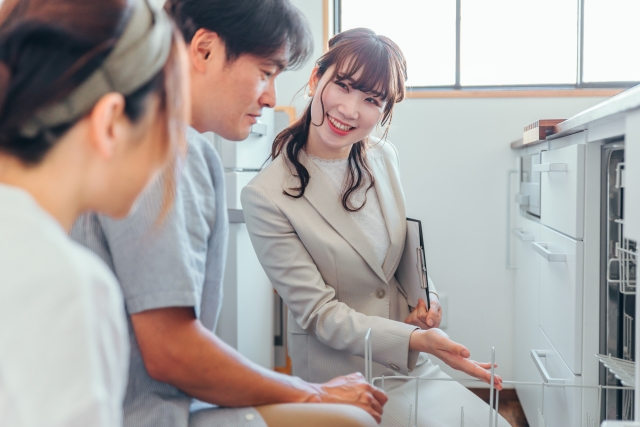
<point>621,103</point>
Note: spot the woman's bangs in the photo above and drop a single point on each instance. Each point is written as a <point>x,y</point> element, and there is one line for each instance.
<point>376,76</point>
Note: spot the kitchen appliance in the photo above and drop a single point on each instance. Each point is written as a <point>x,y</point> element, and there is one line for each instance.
<point>529,196</point>
<point>618,283</point>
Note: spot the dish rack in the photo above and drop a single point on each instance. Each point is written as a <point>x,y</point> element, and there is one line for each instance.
<point>626,260</point>
<point>624,370</point>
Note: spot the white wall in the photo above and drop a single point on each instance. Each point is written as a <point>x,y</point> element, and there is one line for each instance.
<point>455,156</point>
<point>289,84</point>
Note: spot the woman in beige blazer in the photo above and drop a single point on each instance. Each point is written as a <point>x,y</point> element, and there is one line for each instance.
<point>327,220</point>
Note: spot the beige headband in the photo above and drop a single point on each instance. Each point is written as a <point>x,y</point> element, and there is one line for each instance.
<point>139,54</point>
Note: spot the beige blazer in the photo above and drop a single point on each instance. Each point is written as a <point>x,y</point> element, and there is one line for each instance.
<point>326,271</point>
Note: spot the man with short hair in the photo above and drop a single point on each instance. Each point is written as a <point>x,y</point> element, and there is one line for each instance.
<point>171,274</point>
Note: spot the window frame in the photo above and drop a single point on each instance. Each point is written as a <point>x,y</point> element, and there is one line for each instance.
<point>332,25</point>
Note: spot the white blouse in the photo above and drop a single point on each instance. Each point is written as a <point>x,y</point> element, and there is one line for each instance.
<point>64,347</point>
<point>370,218</point>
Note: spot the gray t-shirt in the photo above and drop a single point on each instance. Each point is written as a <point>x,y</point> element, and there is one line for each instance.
<point>177,263</point>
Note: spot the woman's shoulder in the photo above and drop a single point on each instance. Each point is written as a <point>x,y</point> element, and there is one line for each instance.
<point>273,175</point>
<point>62,270</point>
<point>83,271</point>
<point>383,148</point>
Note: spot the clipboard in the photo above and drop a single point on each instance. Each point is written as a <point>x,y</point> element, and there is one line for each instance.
<point>412,269</point>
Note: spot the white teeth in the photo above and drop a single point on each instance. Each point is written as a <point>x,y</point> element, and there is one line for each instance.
<point>340,126</point>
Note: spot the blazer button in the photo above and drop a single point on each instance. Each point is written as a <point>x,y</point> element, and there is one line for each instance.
<point>394,367</point>
<point>380,293</point>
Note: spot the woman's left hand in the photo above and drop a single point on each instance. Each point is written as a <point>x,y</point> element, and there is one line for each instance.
<point>436,342</point>
<point>424,319</point>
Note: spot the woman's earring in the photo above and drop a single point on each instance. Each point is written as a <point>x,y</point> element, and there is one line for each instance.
<point>309,95</point>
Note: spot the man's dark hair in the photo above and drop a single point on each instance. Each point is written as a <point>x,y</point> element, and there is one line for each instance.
<point>257,27</point>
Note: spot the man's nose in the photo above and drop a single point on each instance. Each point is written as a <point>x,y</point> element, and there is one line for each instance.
<point>268,98</point>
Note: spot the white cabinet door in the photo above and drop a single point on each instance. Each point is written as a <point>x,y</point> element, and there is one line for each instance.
<point>562,190</point>
<point>561,273</point>
<point>246,317</point>
<point>561,406</point>
<point>526,293</point>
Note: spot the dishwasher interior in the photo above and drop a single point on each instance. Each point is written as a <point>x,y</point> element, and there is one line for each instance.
<point>618,283</point>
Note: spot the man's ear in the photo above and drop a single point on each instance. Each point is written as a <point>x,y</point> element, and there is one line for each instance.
<point>204,45</point>
<point>107,123</point>
<point>313,80</point>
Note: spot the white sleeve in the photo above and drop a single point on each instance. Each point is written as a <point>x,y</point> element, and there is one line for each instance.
<point>63,347</point>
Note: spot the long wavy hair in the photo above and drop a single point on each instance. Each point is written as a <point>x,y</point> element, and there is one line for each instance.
<point>384,73</point>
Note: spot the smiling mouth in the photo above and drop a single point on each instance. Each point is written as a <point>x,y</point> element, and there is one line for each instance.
<point>339,125</point>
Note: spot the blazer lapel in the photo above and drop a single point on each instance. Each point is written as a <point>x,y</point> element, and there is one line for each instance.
<point>322,196</point>
<point>392,204</point>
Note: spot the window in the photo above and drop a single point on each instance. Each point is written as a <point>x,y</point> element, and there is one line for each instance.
<point>451,44</point>
<point>611,33</point>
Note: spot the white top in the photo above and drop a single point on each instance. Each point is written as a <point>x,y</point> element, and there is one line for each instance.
<point>370,218</point>
<point>63,337</point>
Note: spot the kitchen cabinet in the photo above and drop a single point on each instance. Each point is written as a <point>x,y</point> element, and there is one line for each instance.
<point>548,322</point>
<point>560,273</point>
<point>561,406</point>
<point>526,314</point>
<point>562,189</point>
<point>549,309</point>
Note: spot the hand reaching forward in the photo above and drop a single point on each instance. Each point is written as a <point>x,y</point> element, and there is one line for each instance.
<point>354,390</point>
<point>436,342</point>
<point>424,319</point>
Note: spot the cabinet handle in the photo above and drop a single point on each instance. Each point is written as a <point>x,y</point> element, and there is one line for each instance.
<point>541,248</point>
<point>549,167</point>
<point>522,199</point>
<point>536,355</point>
<point>523,236</point>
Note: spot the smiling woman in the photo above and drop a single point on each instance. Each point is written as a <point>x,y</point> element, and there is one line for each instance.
<point>360,68</point>
<point>328,222</point>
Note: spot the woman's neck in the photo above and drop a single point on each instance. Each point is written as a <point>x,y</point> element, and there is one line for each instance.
<point>316,147</point>
<point>50,185</point>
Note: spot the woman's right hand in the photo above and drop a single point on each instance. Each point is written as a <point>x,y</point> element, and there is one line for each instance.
<point>437,343</point>
<point>353,390</point>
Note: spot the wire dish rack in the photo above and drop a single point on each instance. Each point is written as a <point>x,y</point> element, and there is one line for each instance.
<point>624,370</point>
<point>623,268</point>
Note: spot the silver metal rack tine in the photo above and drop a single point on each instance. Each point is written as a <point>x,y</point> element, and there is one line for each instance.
<point>368,357</point>
<point>462,416</point>
<point>382,385</point>
<point>493,360</point>
<point>417,380</point>
<point>600,397</point>
<point>370,332</point>
<point>497,405</point>
<point>410,411</point>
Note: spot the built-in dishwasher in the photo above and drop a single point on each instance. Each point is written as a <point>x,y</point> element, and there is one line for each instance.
<point>618,283</point>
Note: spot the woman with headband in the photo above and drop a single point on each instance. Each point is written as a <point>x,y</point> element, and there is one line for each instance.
<point>92,108</point>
